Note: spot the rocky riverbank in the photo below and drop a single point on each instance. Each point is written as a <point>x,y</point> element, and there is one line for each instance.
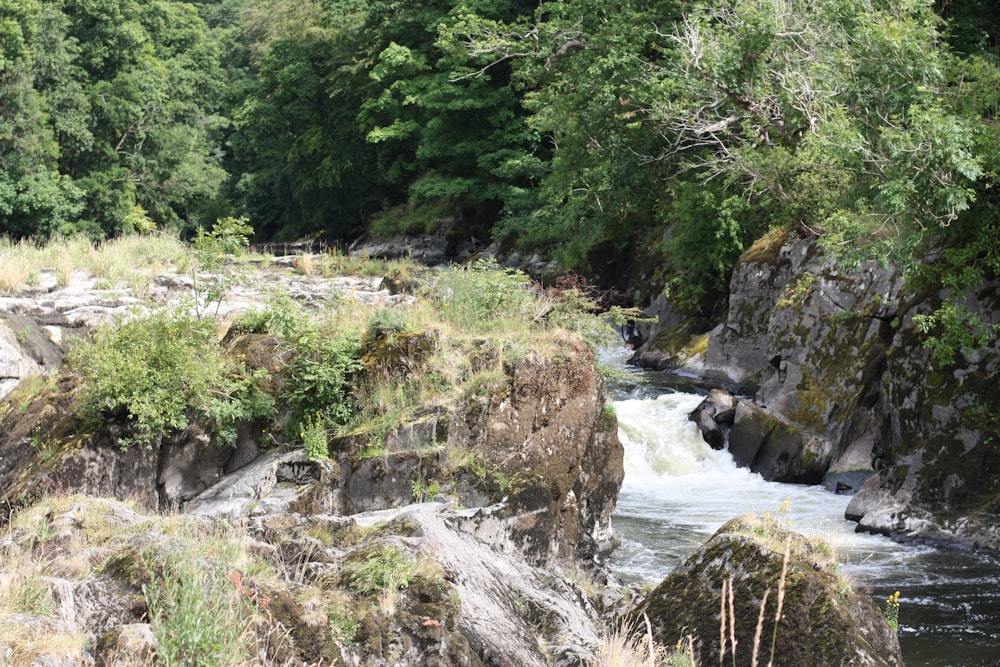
<point>839,387</point>
<point>470,532</point>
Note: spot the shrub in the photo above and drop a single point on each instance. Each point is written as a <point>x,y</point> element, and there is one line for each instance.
<point>282,316</point>
<point>323,360</point>
<point>314,439</point>
<point>317,385</point>
<point>155,370</point>
<point>228,238</point>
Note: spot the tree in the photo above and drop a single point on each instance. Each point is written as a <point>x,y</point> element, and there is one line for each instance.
<point>111,108</point>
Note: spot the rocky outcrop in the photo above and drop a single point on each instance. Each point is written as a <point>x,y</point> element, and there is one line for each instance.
<point>841,385</point>
<point>538,454</point>
<point>823,622</point>
<point>401,587</point>
<point>520,475</point>
<point>811,340</point>
<point>939,454</point>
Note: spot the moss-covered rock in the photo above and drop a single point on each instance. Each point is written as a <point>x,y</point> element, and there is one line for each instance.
<point>844,386</point>
<point>939,453</point>
<point>823,621</point>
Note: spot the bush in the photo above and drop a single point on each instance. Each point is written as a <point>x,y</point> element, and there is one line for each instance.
<point>318,373</point>
<point>324,357</point>
<point>158,369</point>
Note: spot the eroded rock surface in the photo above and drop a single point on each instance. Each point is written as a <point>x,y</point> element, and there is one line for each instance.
<point>306,585</point>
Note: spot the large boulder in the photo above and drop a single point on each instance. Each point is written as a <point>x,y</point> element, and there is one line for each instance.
<point>808,341</point>
<point>550,423</point>
<point>823,621</point>
<point>779,451</point>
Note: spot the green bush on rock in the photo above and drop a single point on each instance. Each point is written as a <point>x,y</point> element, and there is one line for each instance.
<point>156,369</point>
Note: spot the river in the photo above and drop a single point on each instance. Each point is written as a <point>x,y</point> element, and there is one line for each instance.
<point>678,491</point>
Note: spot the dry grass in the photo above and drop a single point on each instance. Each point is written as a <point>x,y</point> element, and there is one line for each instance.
<point>305,264</point>
<point>116,261</point>
<point>16,266</point>
<point>623,648</point>
<point>21,588</point>
<point>24,643</point>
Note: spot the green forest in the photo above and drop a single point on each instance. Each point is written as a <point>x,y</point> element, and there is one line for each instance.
<point>586,131</point>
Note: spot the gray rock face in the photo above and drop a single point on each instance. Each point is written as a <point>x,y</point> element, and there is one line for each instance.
<point>463,602</point>
<point>834,362</point>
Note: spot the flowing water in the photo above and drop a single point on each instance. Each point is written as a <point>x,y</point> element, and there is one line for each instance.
<point>678,491</point>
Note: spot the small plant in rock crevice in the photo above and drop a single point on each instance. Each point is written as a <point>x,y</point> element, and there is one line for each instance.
<point>315,440</point>
<point>388,567</point>
<point>891,611</point>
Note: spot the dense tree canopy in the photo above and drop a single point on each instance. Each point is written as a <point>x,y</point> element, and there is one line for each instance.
<point>585,130</point>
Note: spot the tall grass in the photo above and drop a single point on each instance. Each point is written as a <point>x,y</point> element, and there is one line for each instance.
<point>199,614</point>
<point>201,582</point>
<point>15,265</point>
<point>625,648</point>
<point>117,260</point>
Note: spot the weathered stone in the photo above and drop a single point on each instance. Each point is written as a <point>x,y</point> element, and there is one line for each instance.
<point>722,406</point>
<point>549,421</point>
<point>782,452</point>
<point>39,641</point>
<point>824,622</point>
<point>131,645</point>
<point>189,463</point>
<point>710,429</point>
<point>15,362</point>
<point>510,612</point>
<point>750,430</point>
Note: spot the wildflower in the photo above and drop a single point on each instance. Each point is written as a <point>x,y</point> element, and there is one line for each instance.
<point>891,612</point>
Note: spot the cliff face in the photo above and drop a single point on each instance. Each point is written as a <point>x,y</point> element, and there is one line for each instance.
<point>940,440</point>
<point>834,357</point>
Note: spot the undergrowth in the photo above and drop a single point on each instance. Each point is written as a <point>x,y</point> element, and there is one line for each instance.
<point>155,370</point>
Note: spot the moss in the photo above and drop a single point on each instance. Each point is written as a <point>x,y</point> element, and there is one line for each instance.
<point>697,345</point>
<point>766,249</point>
<point>397,355</point>
<point>796,291</point>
